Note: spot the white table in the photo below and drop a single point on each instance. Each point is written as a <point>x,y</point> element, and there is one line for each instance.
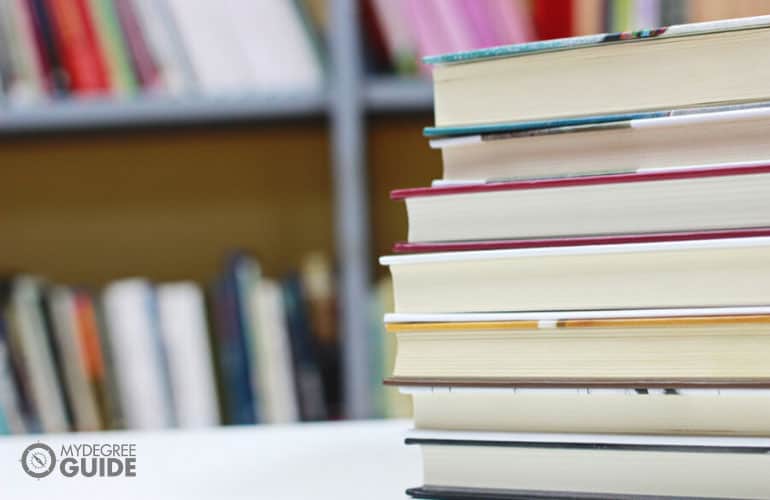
<point>345,460</point>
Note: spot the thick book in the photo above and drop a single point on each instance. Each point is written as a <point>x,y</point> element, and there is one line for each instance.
<point>684,66</point>
<point>570,241</point>
<point>698,273</point>
<point>186,339</point>
<point>523,465</point>
<point>280,403</point>
<point>657,200</point>
<point>12,403</point>
<point>35,353</point>
<point>110,36</point>
<point>235,356</point>
<point>665,351</point>
<point>638,410</point>
<point>82,53</point>
<point>138,354</point>
<point>56,77</point>
<point>305,353</point>
<point>144,65</point>
<point>74,351</point>
<point>723,135</point>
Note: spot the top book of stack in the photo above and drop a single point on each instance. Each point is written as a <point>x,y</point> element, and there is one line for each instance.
<point>643,74</point>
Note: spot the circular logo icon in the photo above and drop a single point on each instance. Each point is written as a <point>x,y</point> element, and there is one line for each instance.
<point>38,460</point>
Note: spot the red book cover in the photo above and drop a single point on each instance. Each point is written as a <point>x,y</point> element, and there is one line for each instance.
<point>553,18</point>
<point>144,65</point>
<point>589,180</point>
<point>81,54</point>
<point>460,246</point>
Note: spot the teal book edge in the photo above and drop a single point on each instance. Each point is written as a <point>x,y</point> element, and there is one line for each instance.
<point>589,40</point>
<point>497,128</point>
<point>3,423</point>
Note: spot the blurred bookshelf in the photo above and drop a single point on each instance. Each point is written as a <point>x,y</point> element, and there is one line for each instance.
<point>164,184</point>
<point>380,95</point>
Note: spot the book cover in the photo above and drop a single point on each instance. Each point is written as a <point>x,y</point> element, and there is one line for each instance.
<point>234,359</point>
<point>12,406</point>
<point>588,40</point>
<point>307,372</point>
<point>137,353</point>
<point>145,67</point>
<point>460,246</point>
<point>81,52</point>
<point>588,180</point>
<point>94,353</point>
<point>110,36</point>
<point>553,18</point>
<point>55,76</point>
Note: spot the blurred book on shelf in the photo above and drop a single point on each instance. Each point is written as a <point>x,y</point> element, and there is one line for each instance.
<point>116,48</point>
<point>125,48</point>
<point>141,355</point>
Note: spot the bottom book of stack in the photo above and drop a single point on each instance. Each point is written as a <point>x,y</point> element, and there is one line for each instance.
<point>467,465</point>
<point>588,404</point>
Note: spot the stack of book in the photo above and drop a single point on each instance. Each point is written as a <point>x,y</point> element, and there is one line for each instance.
<point>583,302</point>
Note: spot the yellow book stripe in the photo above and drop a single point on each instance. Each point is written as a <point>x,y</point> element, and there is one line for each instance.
<point>684,322</point>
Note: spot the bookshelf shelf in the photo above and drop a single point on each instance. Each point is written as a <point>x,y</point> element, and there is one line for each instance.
<point>381,94</point>
<point>152,111</point>
<point>394,94</point>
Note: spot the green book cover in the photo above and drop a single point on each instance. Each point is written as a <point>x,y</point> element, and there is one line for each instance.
<point>621,15</point>
<point>111,37</point>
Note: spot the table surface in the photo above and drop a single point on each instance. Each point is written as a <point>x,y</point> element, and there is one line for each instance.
<point>340,460</point>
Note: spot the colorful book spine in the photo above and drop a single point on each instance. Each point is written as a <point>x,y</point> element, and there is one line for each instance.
<point>81,53</point>
<point>234,362</point>
<point>110,37</point>
<point>553,18</point>
<point>145,67</point>
<point>55,76</point>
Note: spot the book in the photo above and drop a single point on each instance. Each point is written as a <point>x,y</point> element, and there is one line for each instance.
<point>658,411</point>
<point>553,18</point>
<point>628,352</point>
<point>464,465</point>
<point>55,76</point>
<point>144,65</point>
<point>304,351</point>
<point>235,352</point>
<point>110,36</point>
<point>569,241</point>
<point>686,66</point>
<point>96,355</point>
<point>24,66</point>
<point>399,40</point>
<point>165,45</point>
<point>33,348</point>
<point>213,46</point>
<point>280,402</point>
<point>137,352</point>
<point>81,52</point>
<point>697,273</point>
<point>76,381</point>
<point>688,199</point>
<point>257,27</point>
<point>717,137</point>
<point>319,287</point>
<point>186,342</point>
<point>12,405</point>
